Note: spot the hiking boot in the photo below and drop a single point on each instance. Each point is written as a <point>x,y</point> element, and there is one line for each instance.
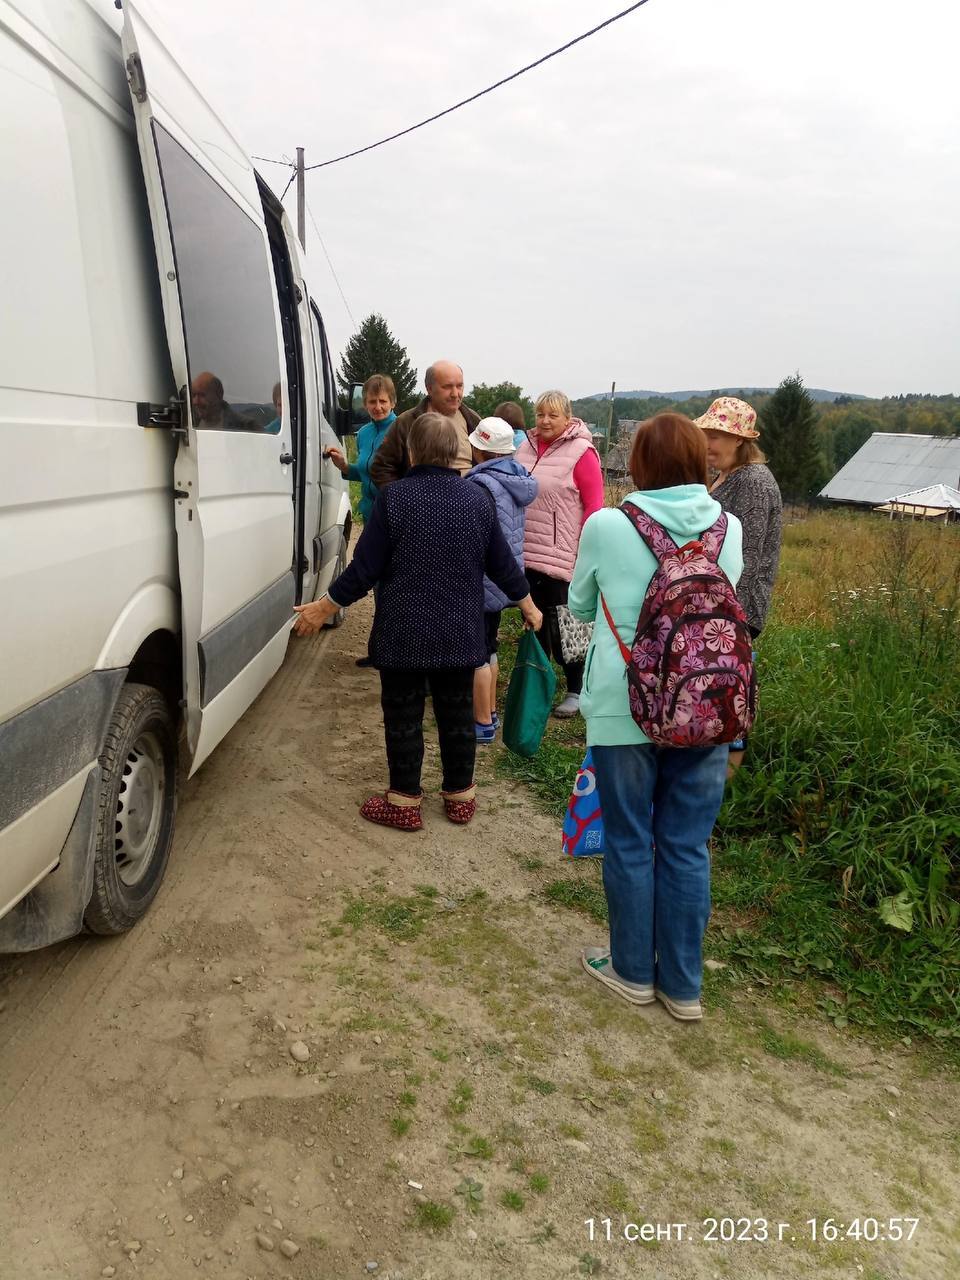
<point>568,708</point>
<point>486,733</point>
<point>597,962</point>
<point>393,809</point>
<point>682,1010</point>
<point>460,806</point>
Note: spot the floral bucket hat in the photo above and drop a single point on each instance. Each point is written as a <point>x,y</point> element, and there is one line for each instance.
<point>731,415</point>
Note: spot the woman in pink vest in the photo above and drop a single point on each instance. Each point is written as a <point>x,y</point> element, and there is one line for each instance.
<point>559,453</point>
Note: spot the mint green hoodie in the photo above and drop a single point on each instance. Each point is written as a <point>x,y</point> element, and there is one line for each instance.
<point>614,559</point>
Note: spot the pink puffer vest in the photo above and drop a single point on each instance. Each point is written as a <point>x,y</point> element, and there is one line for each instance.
<point>555,516</point>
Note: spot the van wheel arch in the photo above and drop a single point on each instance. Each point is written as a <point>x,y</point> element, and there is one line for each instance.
<point>159,663</point>
<point>340,616</point>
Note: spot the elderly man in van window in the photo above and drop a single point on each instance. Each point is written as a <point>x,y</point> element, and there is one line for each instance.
<point>444,383</point>
<point>211,410</point>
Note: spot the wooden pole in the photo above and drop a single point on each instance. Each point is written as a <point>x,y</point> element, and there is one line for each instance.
<point>606,452</point>
<point>301,200</point>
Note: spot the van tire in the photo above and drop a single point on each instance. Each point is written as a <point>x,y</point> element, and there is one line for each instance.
<point>138,762</point>
<point>338,618</point>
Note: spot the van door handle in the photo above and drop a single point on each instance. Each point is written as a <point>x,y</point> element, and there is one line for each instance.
<point>286,459</point>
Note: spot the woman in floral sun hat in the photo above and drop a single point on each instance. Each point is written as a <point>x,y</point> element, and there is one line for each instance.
<point>745,486</point>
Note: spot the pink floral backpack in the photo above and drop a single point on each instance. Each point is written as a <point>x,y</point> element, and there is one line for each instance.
<point>690,667</point>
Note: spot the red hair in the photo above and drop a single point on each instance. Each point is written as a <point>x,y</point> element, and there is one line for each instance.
<point>668,450</point>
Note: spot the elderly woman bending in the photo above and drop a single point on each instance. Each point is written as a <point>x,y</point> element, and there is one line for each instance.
<point>430,539</point>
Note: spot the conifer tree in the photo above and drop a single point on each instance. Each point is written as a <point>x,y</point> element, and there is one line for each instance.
<point>484,399</point>
<point>373,349</point>
<point>790,437</point>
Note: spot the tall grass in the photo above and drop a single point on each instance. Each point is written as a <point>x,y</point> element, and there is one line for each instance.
<point>837,853</point>
<point>844,828</point>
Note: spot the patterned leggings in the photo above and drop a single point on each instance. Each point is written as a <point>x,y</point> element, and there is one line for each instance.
<point>547,593</point>
<point>402,697</point>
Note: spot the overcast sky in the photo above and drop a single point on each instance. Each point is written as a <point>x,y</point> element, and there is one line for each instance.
<point>707,193</point>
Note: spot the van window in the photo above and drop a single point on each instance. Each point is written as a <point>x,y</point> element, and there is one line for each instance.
<point>226,296</point>
<point>323,361</point>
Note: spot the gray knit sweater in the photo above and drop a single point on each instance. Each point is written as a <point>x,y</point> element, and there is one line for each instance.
<point>751,494</point>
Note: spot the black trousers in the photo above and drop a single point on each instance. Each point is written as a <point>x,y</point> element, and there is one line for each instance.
<point>402,697</point>
<point>547,593</point>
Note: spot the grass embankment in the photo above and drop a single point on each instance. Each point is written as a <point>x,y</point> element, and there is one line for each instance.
<point>837,852</point>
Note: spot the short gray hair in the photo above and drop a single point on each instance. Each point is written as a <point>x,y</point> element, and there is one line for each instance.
<point>430,376</point>
<point>433,441</point>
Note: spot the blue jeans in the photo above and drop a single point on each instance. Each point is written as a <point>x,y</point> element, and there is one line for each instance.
<point>659,805</point>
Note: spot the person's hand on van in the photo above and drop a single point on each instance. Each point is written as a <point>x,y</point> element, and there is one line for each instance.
<point>313,616</point>
<point>337,458</point>
<point>531,615</point>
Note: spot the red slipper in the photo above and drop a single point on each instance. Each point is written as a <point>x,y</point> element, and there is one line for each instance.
<point>460,806</point>
<point>393,809</point>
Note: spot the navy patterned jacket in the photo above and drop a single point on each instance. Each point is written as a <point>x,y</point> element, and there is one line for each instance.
<point>429,541</point>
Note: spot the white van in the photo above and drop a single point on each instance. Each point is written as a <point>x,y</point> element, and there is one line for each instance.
<point>158,517</point>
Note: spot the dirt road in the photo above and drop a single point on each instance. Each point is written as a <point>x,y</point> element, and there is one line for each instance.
<point>470,1098</point>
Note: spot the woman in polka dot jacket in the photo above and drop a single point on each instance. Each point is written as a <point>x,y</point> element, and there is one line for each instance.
<point>429,541</point>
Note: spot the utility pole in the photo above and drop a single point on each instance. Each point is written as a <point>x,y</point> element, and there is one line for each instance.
<point>301,200</point>
<point>606,452</point>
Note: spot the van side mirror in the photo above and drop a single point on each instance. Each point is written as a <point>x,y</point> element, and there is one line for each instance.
<point>351,416</point>
<point>358,414</point>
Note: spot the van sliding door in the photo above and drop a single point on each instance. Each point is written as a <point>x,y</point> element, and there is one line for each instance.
<point>233,482</point>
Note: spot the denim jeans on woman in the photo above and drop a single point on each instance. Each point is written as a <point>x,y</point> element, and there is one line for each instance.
<point>659,806</point>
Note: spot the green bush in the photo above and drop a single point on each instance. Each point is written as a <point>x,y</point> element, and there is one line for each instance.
<point>844,827</point>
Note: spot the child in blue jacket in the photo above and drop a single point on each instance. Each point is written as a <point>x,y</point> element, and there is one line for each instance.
<point>511,488</point>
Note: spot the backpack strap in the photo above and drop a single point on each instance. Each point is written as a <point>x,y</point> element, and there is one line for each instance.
<point>624,651</point>
<point>712,539</point>
<point>654,535</point>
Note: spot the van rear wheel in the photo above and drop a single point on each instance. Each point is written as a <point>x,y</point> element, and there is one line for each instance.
<point>135,817</point>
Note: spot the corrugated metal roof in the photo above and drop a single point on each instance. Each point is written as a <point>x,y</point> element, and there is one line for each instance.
<point>936,497</point>
<point>890,464</point>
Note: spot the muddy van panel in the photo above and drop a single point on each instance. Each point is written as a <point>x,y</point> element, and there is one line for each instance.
<point>84,498</point>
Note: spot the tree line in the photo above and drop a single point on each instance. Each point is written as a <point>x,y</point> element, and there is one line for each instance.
<point>806,442</point>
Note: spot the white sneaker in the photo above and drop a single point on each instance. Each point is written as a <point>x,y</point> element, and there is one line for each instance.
<point>597,962</point>
<point>682,1010</point>
<point>568,708</point>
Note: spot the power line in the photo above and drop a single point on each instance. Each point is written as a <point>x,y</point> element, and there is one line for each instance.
<point>506,80</point>
<point>348,155</point>
<point>331,266</point>
<point>289,184</point>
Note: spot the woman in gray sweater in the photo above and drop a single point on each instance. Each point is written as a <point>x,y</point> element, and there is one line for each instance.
<point>745,486</point>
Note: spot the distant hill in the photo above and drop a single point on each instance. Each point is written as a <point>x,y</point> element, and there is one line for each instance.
<point>818,393</point>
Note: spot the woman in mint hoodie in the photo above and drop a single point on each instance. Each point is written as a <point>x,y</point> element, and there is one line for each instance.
<point>380,402</point>
<point>659,804</point>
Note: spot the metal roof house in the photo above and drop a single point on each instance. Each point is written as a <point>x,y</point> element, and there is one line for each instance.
<point>891,464</point>
<point>936,502</point>
<point>617,460</point>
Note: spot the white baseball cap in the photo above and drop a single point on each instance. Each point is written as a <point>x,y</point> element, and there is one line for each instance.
<point>492,435</point>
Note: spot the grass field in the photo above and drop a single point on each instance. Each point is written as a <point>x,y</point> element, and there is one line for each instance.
<point>837,853</point>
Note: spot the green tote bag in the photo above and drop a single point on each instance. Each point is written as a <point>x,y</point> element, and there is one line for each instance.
<point>529,697</point>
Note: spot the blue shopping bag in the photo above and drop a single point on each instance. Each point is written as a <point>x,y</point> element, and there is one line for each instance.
<point>583,825</point>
